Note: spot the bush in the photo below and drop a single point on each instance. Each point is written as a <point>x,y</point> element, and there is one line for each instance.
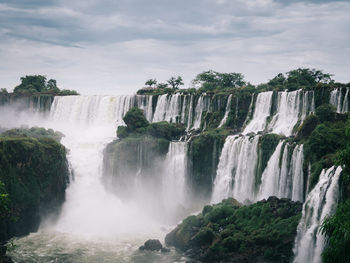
<point>309,124</point>
<point>325,112</point>
<point>337,230</point>
<point>135,119</point>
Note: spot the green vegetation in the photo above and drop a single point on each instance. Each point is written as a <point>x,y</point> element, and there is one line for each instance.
<point>267,145</point>
<point>34,175</point>
<point>216,81</point>
<point>204,153</point>
<point>152,87</point>
<point>34,84</point>
<point>213,82</point>
<point>229,232</point>
<point>34,132</point>
<point>337,227</point>
<point>137,126</point>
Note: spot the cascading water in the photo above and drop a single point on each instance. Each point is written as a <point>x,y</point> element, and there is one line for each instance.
<point>261,112</point>
<point>235,176</point>
<point>291,107</point>
<point>198,113</point>
<point>320,202</point>
<point>174,179</point>
<point>227,111</point>
<point>339,101</point>
<point>94,225</point>
<point>283,177</point>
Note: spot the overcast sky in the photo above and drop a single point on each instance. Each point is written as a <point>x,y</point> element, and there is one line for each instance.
<point>114,46</point>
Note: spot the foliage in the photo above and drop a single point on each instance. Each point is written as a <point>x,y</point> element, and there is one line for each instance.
<point>175,83</point>
<point>165,130</point>
<point>204,153</point>
<point>229,232</point>
<point>135,119</point>
<point>151,83</point>
<point>5,202</point>
<point>137,125</point>
<point>3,91</point>
<point>212,81</point>
<point>325,112</point>
<point>305,77</point>
<point>307,127</point>
<point>67,92</point>
<point>34,173</point>
<point>326,139</point>
<point>34,132</point>
<point>31,84</point>
<point>337,230</point>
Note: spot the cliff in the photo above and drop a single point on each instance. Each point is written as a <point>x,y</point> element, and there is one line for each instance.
<point>34,173</point>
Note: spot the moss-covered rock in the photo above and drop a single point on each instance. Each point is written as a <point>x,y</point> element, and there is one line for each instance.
<point>229,232</point>
<point>35,174</point>
<point>204,153</point>
<point>132,157</point>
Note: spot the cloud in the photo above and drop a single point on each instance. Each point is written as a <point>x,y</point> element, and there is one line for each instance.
<point>114,46</point>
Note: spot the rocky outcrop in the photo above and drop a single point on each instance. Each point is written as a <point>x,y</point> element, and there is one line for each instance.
<point>229,232</point>
<point>34,175</point>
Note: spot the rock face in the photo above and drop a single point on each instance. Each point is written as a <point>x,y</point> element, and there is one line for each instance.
<point>152,245</point>
<point>34,173</point>
<point>229,232</point>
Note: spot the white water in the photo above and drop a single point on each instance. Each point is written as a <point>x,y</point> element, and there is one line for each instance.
<point>283,177</point>
<point>90,123</point>
<point>320,202</point>
<point>198,113</point>
<point>339,101</point>
<point>174,180</point>
<point>261,112</point>
<point>235,176</point>
<point>227,111</point>
<point>94,225</point>
<point>292,107</point>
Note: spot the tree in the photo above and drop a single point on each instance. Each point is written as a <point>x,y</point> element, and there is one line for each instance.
<point>52,85</point>
<point>3,91</point>
<point>277,81</point>
<point>135,119</point>
<point>151,83</point>
<point>38,84</point>
<point>212,80</point>
<point>35,83</point>
<point>306,77</point>
<point>162,86</point>
<point>175,83</point>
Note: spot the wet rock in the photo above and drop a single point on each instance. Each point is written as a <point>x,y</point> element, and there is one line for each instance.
<point>152,245</point>
<point>165,250</point>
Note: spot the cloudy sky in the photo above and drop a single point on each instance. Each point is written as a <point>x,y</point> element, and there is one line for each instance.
<point>113,46</point>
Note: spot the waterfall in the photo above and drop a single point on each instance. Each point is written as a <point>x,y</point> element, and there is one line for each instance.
<point>345,102</point>
<point>235,176</point>
<point>174,179</point>
<point>271,175</point>
<point>198,113</point>
<point>89,123</point>
<point>339,101</point>
<point>261,112</point>
<point>144,102</point>
<point>292,107</point>
<point>227,111</point>
<point>283,175</point>
<point>320,202</point>
<point>160,111</point>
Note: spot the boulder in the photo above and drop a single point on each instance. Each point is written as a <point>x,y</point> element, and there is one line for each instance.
<point>152,245</point>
